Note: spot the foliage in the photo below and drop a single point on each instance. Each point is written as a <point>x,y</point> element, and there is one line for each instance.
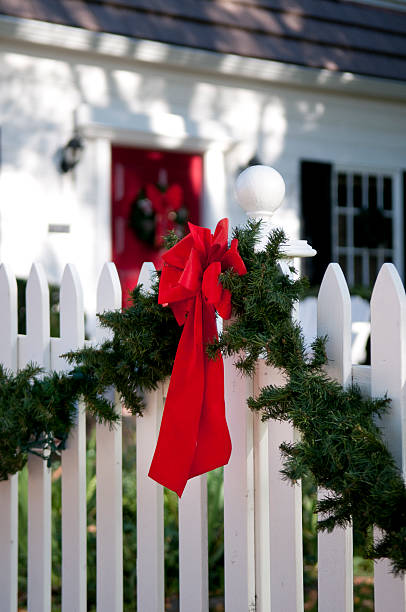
<point>141,352</point>
<point>37,411</point>
<point>340,445</point>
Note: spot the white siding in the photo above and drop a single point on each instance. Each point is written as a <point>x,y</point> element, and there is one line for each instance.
<point>42,89</point>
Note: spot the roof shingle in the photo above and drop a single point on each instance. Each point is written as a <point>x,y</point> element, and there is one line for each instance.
<point>331,34</point>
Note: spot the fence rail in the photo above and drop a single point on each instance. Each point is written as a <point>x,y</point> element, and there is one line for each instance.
<point>262,513</point>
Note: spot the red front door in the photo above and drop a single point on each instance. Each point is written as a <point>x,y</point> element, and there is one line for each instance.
<point>152,192</point>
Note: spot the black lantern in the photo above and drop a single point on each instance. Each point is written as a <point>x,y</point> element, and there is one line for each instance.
<point>71,154</point>
<point>254,161</point>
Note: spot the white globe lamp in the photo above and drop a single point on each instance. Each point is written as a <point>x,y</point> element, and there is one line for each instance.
<point>260,191</point>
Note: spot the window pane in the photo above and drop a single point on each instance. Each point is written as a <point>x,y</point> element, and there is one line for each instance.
<point>357,190</point>
<point>373,269</point>
<point>342,230</point>
<point>342,260</point>
<point>342,189</point>
<point>372,229</point>
<point>388,259</point>
<point>387,240</point>
<point>358,270</point>
<point>372,192</point>
<point>387,193</point>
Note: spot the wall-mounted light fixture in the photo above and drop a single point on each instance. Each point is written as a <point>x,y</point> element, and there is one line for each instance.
<point>254,161</point>
<point>71,154</point>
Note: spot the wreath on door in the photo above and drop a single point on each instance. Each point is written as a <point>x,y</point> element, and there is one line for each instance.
<point>157,210</point>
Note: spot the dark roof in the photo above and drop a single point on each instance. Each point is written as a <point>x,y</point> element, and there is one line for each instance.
<point>333,34</point>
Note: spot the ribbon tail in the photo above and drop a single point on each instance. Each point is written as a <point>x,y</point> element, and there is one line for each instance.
<point>194,437</point>
<point>177,438</point>
<point>213,448</point>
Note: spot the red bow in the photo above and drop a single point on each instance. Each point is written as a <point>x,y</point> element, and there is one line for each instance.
<point>162,204</point>
<point>194,436</point>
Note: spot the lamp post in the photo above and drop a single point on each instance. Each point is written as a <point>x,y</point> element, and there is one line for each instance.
<point>278,517</point>
<point>260,191</point>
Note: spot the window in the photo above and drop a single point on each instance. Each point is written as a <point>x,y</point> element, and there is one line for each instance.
<point>354,216</point>
<point>363,219</point>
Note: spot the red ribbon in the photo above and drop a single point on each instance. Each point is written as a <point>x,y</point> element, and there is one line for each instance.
<point>194,436</point>
<point>162,204</point>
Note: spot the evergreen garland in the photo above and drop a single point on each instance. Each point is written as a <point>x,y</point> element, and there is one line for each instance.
<point>141,353</point>
<point>340,446</point>
<point>38,411</point>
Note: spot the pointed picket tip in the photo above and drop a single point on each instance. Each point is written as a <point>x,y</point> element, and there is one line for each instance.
<point>70,284</point>
<point>146,276</point>
<point>8,317</point>
<point>334,285</point>
<point>108,289</point>
<point>388,286</point>
<point>334,321</point>
<point>34,346</point>
<point>8,287</point>
<point>388,354</point>
<point>388,320</point>
<point>37,302</point>
<point>37,281</point>
<point>71,307</point>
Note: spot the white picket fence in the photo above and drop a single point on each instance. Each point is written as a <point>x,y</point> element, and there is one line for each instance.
<point>262,513</point>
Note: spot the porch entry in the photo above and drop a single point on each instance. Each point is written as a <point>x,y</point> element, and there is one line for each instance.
<point>152,191</point>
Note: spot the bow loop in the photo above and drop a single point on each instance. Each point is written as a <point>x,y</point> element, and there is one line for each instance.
<point>191,277</point>
<point>211,287</point>
<point>232,259</point>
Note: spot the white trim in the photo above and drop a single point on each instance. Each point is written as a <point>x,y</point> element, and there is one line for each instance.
<point>163,130</point>
<point>155,130</point>
<point>195,60</point>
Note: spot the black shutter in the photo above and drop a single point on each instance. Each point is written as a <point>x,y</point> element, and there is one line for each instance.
<point>315,182</point>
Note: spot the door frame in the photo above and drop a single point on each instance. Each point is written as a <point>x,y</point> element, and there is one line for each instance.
<point>102,128</point>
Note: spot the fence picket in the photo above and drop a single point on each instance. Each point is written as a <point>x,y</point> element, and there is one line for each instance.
<point>388,375</point>
<point>285,518</point>
<point>335,573</point>
<point>193,549</point>
<point>35,347</point>
<point>239,535</point>
<point>150,516</point>
<point>262,513</point>
<point>8,488</point>
<point>74,566</point>
<point>261,502</point>
<point>109,519</point>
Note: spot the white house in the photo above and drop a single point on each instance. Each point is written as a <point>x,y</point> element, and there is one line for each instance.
<point>188,93</point>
